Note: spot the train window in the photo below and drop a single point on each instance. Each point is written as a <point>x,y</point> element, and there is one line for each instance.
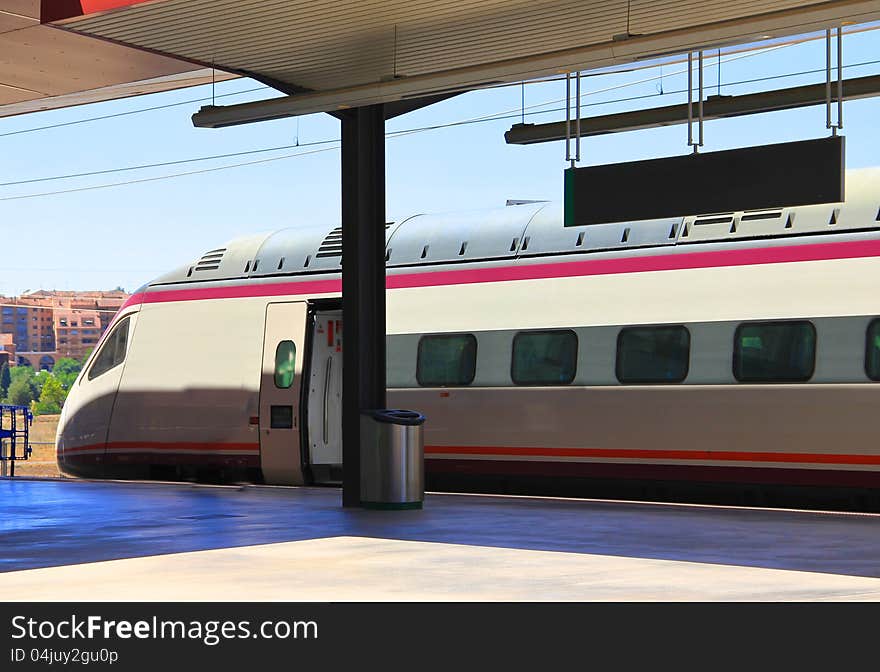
<point>872,351</point>
<point>774,352</point>
<point>285,364</point>
<point>648,355</point>
<point>544,357</point>
<point>446,360</point>
<point>112,353</point>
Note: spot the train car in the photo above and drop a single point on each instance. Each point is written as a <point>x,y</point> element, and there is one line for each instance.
<point>740,348</point>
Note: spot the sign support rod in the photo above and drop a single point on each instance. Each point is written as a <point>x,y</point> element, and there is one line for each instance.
<point>577,129</point>
<point>696,144</point>
<point>568,118</point>
<point>837,124</point>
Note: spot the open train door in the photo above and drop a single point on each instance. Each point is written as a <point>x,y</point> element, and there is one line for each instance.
<point>280,392</point>
<point>325,398</point>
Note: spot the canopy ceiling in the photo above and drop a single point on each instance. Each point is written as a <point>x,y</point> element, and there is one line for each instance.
<point>359,51</point>
<point>333,54</point>
<point>43,68</point>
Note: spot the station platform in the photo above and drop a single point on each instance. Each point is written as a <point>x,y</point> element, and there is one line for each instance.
<point>67,540</point>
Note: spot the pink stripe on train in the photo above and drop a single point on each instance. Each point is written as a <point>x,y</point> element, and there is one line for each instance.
<point>587,267</point>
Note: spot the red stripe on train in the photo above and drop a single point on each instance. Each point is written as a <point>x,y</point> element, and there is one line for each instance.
<point>634,472</point>
<point>601,453</point>
<point>641,454</point>
<point>666,262</point>
<point>165,446</point>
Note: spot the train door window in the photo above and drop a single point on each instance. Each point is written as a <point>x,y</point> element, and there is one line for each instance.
<point>659,355</point>
<point>872,351</point>
<point>544,357</point>
<point>446,360</point>
<point>285,364</point>
<point>774,352</point>
<point>112,353</point>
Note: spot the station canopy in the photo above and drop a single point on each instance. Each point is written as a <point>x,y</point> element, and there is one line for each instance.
<point>42,68</point>
<point>332,54</point>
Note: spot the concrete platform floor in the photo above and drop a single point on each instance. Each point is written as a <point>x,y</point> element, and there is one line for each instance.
<point>88,541</point>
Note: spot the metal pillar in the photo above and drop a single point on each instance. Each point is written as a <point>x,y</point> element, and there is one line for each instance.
<point>363,282</point>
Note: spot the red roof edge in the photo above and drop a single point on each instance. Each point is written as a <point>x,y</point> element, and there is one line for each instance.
<point>52,11</point>
<point>57,10</point>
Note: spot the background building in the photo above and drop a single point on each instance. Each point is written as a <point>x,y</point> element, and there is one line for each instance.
<point>46,325</point>
<point>7,349</point>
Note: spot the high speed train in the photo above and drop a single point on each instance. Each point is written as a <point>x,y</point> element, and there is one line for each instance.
<point>738,348</point>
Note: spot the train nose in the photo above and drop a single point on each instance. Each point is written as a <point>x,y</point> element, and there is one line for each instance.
<point>74,454</point>
<point>61,434</point>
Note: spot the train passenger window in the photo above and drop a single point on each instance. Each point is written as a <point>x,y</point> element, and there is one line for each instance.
<point>872,351</point>
<point>112,353</point>
<point>446,360</point>
<point>544,357</point>
<point>285,364</point>
<point>774,352</point>
<point>648,355</point>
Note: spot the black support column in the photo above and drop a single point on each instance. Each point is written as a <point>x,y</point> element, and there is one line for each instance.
<point>363,282</point>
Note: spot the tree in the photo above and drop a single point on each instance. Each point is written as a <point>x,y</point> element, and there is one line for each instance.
<point>16,372</point>
<point>24,375</point>
<point>5,380</point>
<point>51,398</point>
<point>66,370</point>
<point>39,379</point>
<point>21,392</point>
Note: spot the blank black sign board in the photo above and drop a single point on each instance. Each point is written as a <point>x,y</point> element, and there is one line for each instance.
<point>753,178</point>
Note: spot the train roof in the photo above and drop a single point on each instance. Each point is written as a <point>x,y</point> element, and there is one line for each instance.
<point>522,230</point>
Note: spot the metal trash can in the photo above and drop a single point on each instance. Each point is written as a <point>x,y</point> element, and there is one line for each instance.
<point>392,459</point>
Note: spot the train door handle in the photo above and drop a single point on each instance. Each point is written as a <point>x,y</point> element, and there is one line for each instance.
<point>327,370</point>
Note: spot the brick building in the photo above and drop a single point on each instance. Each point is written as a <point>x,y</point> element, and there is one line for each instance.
<point>47,325</point>
<point>76,331</point>
<point>7,349</point>
<point>30,325</point>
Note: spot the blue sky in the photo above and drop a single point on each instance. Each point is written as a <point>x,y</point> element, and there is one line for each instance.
<point>126,235</point>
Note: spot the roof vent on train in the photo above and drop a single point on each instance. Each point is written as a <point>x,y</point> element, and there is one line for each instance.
<point>805,219</point>
<point>303,249</point>
<point>210,261</point>
<point>223,263</point>
<point>547,235</point>
<point>469,236</point>
<point>332,244</point>
<point>859,212</point>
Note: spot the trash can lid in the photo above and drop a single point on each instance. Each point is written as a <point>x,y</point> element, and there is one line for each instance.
<point>396,416</point>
